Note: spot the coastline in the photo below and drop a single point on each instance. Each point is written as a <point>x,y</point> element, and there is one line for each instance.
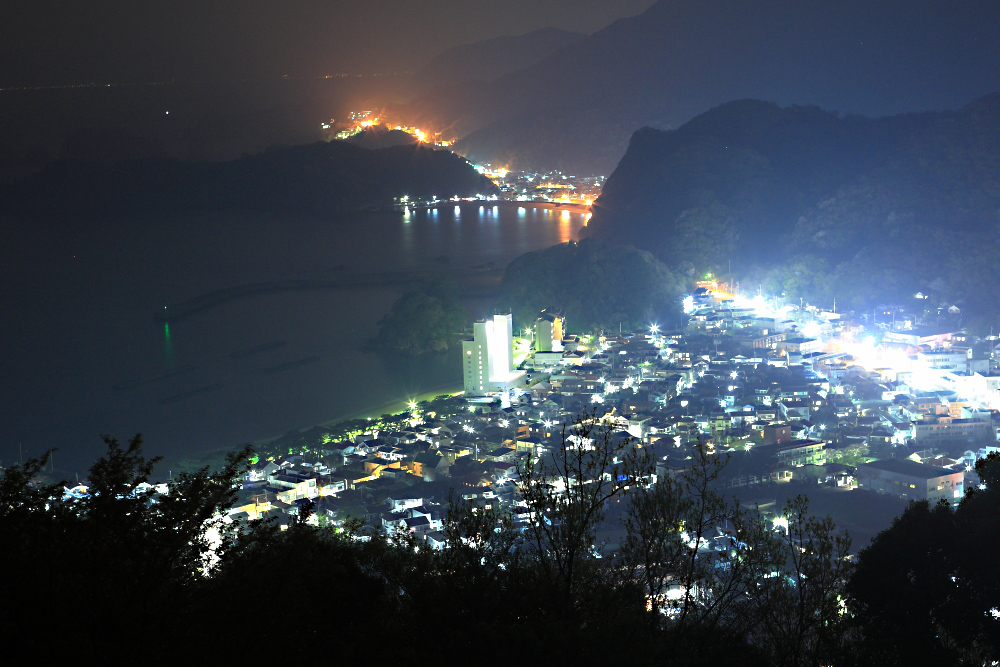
<point>573,207</point>
<point>476,282</point>
<point>215,457</point>
<point>392,407</point>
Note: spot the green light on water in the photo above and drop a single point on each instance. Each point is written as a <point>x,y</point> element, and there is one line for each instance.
<point>168,346</point>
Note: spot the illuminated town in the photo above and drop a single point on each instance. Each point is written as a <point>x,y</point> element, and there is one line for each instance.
<point>642,332</point>
<point>553,187</point>
<point>359,121</point>
<point>791,393</point>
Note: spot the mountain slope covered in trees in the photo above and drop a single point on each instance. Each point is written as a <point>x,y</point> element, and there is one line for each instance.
<point>427,318</point>
<point>814,204</point>
<point>601,287</point>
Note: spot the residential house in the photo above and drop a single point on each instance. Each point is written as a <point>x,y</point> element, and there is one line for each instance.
<point>429,466</point>
<point>911,480</point>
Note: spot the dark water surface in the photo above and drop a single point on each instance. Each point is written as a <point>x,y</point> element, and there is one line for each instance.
<point>82,353</point>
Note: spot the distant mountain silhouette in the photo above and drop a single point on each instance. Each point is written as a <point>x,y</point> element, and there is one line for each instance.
<point>576,108</point>
<point>820,205</point>
<point>492,58</point>
<point>319,179</point>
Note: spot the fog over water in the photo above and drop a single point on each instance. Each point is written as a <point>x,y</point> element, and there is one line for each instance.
<point>84,355</point>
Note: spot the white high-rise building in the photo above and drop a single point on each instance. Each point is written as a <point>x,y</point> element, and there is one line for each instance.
<point>488,358</point>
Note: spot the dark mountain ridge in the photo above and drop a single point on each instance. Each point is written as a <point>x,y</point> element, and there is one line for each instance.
<point>828,206</point>
<point>380,136</point>
<point>318,178</point>
<point>492,58</point>
<point>677,59</point>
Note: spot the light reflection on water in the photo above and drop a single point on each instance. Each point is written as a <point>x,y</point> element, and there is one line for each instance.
<point>83,298</point>
<point>565,227</point>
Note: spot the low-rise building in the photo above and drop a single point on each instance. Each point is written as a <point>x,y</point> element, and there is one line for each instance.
<point>796,453</point>
<point>294,486</point>
<point>947,428</point>
<point>911,480</point>
<point>949,359</point>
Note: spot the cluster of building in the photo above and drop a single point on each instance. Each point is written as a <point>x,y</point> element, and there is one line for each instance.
<point>356,122</point>
<point>892,407</point>
<point>788,394</point>
<point>399,479</point>
<point>552,186</point>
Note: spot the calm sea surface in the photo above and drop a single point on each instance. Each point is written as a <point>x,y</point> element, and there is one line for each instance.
<point>82,353</point>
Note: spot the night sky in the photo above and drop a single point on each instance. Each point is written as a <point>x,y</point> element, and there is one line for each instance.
<point>49,42</point>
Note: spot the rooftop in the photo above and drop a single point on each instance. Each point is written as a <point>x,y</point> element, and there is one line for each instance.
<point>908,468</point>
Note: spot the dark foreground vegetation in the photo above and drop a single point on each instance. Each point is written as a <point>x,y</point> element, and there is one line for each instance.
<point>318,179</point>
<point>131,574</point>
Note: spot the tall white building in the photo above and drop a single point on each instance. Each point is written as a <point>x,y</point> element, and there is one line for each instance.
<point>488,358</point>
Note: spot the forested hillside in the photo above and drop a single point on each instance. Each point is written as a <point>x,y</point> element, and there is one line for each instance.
<point>600,286</point>
<point>814,204</point>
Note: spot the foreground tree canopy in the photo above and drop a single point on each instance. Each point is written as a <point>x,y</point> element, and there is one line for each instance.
<point>130,573</point>
<point>928,589</point>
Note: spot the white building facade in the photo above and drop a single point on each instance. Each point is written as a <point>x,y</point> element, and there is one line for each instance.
<point>488,357</point>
